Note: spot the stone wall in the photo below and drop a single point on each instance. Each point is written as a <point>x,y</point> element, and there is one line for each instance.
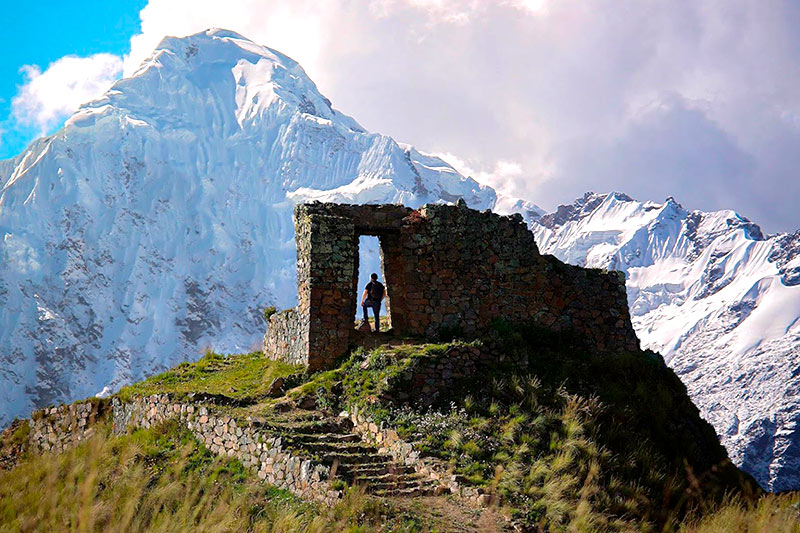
<point>464,269</point>
<point>325,279</point>
<point>446,268</point>
<point>55,429</point>
<point>428,377</point>
<point>223,435</point>
<point>284,333</point>
<point>387,441</point>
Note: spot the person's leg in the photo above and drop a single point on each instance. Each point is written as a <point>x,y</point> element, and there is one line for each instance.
<point>376,307</point>
<point>366,315</point>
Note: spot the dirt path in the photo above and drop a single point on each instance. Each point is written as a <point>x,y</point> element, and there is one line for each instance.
<point>447,514</point>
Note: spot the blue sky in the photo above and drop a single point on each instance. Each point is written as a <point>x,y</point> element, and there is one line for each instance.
<point>541,99</point>
<point>39,33</point>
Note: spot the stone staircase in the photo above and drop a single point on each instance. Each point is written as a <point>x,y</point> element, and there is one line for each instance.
<point>331,441</point>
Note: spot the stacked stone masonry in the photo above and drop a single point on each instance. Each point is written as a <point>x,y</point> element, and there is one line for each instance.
<point>286,334</point>
<point>280,458</point>
<point>445,268</point>
<point>431,377</point>
<point>388,441</point>
<point>223,435</point>
<point>56,429</point>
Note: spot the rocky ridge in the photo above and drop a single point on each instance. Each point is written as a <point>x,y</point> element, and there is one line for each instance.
<point>721,302</point>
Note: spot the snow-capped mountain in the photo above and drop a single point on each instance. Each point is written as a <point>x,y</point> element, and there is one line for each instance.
<point>718,299</point>
<point>157,222</point>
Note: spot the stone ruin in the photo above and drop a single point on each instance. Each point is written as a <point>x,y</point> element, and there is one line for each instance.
<point>445,268</point>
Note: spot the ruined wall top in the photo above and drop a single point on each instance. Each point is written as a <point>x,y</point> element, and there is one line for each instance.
<point>445,267</point>
<point>368,219</point>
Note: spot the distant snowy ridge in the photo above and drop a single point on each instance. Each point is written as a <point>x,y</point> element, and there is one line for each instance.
<point>718,299</point>
<point>157,222</point>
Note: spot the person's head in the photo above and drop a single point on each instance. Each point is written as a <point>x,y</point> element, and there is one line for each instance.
<point>374,276</point>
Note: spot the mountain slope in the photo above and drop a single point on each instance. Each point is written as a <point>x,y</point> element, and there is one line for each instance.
<point>157,222</point>
<point>554,436</point>
<point>718,299</point>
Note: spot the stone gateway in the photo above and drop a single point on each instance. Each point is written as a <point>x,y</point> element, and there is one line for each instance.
<point>446,268</point>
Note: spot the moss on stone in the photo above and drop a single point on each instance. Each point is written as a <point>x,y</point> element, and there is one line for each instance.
<point>15,438</point>
<point>269,311</point>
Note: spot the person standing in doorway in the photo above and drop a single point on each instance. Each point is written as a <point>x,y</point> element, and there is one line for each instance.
<point>372,298</point>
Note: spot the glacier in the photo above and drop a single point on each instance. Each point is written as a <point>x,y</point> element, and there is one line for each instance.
<point>157,223</point>
<point>718,299</point>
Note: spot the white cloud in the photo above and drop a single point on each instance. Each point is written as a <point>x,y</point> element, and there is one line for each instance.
<point>46,98</point>
<point>542,99</point>
<point>295,27</point>
<point>536,7</point>
<point>544,83</point>
<point>504,176</point>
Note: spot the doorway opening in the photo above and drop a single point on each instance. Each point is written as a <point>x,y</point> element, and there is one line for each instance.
<point>370,260</point>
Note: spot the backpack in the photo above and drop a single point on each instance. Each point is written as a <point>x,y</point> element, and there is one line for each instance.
<point>376,291</point>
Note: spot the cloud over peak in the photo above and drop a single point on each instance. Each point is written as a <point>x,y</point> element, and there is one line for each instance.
<point>543,98</point>
<point>49,96</point>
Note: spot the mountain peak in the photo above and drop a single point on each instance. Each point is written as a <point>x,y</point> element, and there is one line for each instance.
<point>717,299</point>
<point>221,45</point>
<point>214,79</point>
<point>222,33</point>
<point>580,208</point>
<point>159,219</point>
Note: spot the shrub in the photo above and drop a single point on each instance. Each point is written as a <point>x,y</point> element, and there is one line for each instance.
<point>269,311</point>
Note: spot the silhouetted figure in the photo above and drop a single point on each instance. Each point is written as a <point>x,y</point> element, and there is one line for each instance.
<point>372,297</point>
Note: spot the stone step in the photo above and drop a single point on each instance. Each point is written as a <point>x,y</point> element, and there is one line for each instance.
<point>297,416</point>
<point>406,492</point>
<point>302,438</point>
<point>324,448</point>
<point>331,440</point>
<point>307,427</point>
<point>379,462</point>
<point>372,471</point>
<point>349,459</point>
<point>396,485</point>
<point>303,419</point>
<point>389,478</point>
<point>303,413</point>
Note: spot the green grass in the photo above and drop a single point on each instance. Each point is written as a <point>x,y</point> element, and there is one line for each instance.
<point>162,479</point>
<point>367,376</point>
<point>18,436</point>
<point>242,377</point>
<point>772,513</point>
<point>573,441</point>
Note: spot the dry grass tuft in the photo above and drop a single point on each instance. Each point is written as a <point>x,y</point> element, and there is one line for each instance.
<point>772,513</point>
<point>161,480</point>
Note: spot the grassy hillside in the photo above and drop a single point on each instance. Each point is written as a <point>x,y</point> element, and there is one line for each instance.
<point>162,479</point>
<point>244,377</point>
<point>568,440</point>
<point>770,513</point>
